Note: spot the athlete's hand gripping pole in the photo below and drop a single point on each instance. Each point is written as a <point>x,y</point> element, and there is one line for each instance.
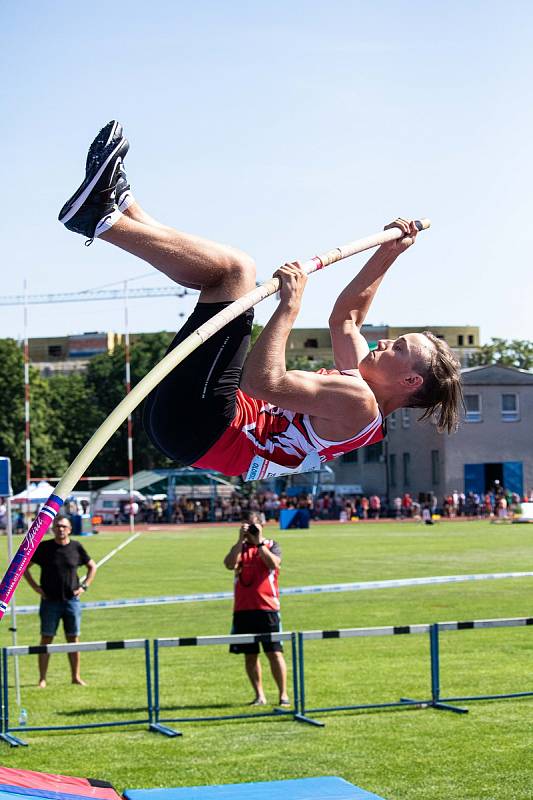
<point>97,441</point>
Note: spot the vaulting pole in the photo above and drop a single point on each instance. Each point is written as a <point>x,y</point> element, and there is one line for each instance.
<point>128,390</point>
<point>106,430</point>
<point>13,629</point>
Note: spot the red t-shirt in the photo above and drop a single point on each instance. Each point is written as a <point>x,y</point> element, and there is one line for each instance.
<point>256,586</point>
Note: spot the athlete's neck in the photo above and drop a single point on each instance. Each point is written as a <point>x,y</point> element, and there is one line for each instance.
<point>385,401</point>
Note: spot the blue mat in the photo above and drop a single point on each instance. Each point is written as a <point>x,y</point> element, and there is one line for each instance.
<point>302,789</point>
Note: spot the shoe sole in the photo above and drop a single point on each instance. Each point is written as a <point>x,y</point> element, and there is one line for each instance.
<point>81,194</point>
<point>115,129</point>
<point>115,126</point>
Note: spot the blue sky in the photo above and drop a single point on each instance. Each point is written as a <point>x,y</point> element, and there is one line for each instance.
<point>285,128</point>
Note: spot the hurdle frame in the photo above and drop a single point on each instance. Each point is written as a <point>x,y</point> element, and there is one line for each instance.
<point>158,725</point>
<point>301,714</point>
<point>7,730</point>
<point>444,702</point>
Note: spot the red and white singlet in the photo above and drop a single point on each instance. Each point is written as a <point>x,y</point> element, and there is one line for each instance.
<point>264,440</point>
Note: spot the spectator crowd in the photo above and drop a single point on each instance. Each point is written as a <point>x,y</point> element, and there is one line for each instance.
<point>499,502</point>
<point>326,505</point>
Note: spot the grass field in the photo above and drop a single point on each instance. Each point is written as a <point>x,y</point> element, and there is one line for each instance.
<point>403,755</point>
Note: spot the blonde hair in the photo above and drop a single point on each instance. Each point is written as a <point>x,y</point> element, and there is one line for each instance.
<point>441,394</point>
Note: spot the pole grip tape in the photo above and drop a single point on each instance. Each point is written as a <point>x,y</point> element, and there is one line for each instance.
<point>27,548</point>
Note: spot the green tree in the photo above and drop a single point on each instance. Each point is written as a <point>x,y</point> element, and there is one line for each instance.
<point>509,353</point>
<point>45,459</point>
<point>256,331</point>
<point>303,363</point>
<point>75,416</point>
<point>12,394</point>
<point>106,387</point>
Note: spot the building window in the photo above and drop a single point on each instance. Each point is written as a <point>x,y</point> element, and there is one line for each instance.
<point>311,343</point>
<point>473,407</point>
<point>510,412</point>
<point>391,421</point>
<point>435,467</point>
<point>392,469</point>
<point>350,458</point>
<point>460,340</point>
<point>406,469</point>
<point>373,453</point>
<point>55,350</point>
<point>470,339</point>
<point>406,418</point>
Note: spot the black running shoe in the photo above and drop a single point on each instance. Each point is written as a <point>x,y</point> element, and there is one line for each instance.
<point>99,201</point>
<point>112,132</point>
<point>99,175</point>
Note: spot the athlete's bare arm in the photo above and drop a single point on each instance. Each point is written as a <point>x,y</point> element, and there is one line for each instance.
<point>351,307</point>
<point>339,405</point>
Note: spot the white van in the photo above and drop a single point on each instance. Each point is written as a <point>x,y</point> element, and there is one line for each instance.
<point>108,504</point>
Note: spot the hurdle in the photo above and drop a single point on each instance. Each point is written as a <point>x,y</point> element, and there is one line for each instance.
<point>158,725</point>
<point>444,702</point>
<point>301,712</point>
<point>7,730</point>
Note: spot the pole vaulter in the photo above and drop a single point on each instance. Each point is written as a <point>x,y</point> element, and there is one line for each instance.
<point>102,435</point>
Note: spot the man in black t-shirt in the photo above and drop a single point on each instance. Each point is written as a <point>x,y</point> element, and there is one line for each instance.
<point>60,590</point>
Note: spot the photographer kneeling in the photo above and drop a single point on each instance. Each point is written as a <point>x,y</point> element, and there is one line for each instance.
<point>256,561</point>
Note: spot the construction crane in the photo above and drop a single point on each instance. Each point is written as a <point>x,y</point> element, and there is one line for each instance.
<point>93,294</point>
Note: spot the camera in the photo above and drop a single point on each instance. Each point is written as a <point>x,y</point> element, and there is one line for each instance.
<point>253,530</point>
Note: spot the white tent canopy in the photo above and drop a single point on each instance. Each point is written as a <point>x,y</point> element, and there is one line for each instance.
<point>39,493</point>
<point>120,494</point>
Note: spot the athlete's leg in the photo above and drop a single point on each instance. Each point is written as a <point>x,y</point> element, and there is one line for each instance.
<point>71,624</point>
<point>134,211</point>
<point>278,668</point>
<point>222,272</point>
<point>253,670</point>
<point>50,614</point>
<point>44,659</point>
<point>74,661</point>
<point>131,208</point>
